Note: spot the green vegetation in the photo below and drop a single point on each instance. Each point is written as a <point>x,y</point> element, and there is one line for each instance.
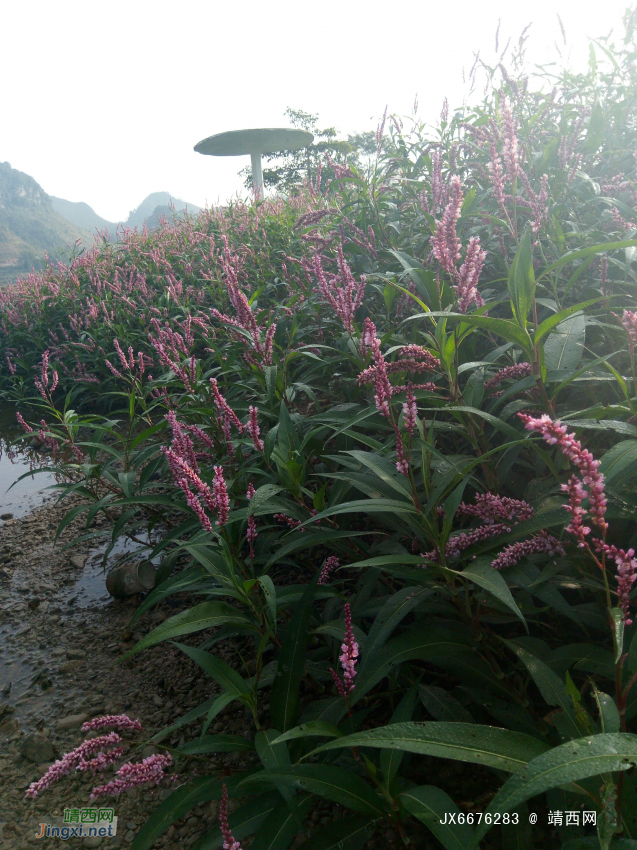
<point>386,431</point>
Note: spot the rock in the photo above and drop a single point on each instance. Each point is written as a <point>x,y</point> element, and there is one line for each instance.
<point>58,652</point>
<point>6,516</point>
<point>158,701</point>
<point>9,727</point>
<point>93,841</point>
<point>72,721</point>
<point>33,603</point>
<point>75,654</point>
<point>36,748</point>
<point>78,561</point>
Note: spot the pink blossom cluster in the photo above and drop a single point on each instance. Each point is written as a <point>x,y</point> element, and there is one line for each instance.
<point>118,721</point>
<point>289,521</point>
<point>71,761</point>
<point>251,533</point>
<point>229,841</point>
<point>231,265</point>
<point>491,508</point>
<point>329,565</point>
<point>467,287</point>
<point>224,411</point>
<point>216,500</point>
<point>518,370</point>
<point>43,382</point>
<point>340,290</point>
<point>253,428</point>
<point>348,658</point>
<point>626,574</point>
<point>172,349</point>
<point>445,243</point>
<point>446,249</point>
<point>150,771</point>
<point>629,321</point>
<point>542,543</point>
<point>556,434</point>
<point>410,410</point>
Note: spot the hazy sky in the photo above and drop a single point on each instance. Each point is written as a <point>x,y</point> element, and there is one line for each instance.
<point>103,102</point>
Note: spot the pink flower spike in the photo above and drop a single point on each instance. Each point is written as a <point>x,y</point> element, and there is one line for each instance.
<point>229,842</point>
<point>557,434</point>
<point>253,429</point>
<point>410,410</point>
<point>119,721</point>
<point>220,496</point>
<point>349,650</point>
<point>544,543</point>
<point>330,564</point>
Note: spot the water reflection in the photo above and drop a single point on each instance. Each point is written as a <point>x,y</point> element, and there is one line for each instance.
<point>15,461</point>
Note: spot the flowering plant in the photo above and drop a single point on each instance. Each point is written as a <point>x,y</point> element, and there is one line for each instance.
<point>384,436</point>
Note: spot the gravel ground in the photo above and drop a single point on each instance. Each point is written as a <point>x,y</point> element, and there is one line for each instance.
<point>59,639</point>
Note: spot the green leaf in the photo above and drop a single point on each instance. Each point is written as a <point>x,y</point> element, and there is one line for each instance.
<point>483,574</point>
<point>521,280</point>
<point>217,744</point>
<point>609,716</point>
<point>281,826</point>
<point>272,752</point>
<point>617,617</point>
<point>219,670</point>
<point>470,742</point>
<point>621,458</point>
<point>432,806</point>
<point>563,765</point>
<point>395,609</point>
<point>206,615</point>
<point>518,836</point>
<point>180,803</point>
<point>582,253</point>
<point>595,133</point>
<point>442,705</point>
<point>284,700</point>
<point>557,318</point>
<point>508,330</point>
<point>262,496</point>
<point>390,759</point>
<point>311,729</point>
<point>564,348</point>
<point>244,821</point>
<point>551,687</point>
<point>334,783</point>
<point>352,833</point>
<point>269,591</point>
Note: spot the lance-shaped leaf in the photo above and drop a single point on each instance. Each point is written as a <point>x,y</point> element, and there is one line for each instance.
<point>335,783</point>
<point>181,802</point>
<point>281,826</point>
<point>433,806</point>
<point>481,572</point>
<point>471,742</point>
<point>244,821</point>
<point>563,765</point>
<point>206,615</point>
<point>351,833</point>
<point>521,280</point>
<point>284,700</point>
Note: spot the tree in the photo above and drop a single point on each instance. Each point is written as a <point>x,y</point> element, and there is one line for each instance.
<point>290,169</point>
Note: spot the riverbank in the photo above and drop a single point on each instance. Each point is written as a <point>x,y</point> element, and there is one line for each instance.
<point>60,638</point>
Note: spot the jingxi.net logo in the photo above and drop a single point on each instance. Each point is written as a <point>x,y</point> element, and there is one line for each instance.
<point>81,823</point>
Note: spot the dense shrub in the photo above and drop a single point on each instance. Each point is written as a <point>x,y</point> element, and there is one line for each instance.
<point>387,432</point>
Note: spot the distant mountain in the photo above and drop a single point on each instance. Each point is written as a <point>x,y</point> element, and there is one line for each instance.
<point>151,210</point>
<point>30,227</point>
<point>81,215</point>
<point>148,209</point>
<point>33,223</point>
